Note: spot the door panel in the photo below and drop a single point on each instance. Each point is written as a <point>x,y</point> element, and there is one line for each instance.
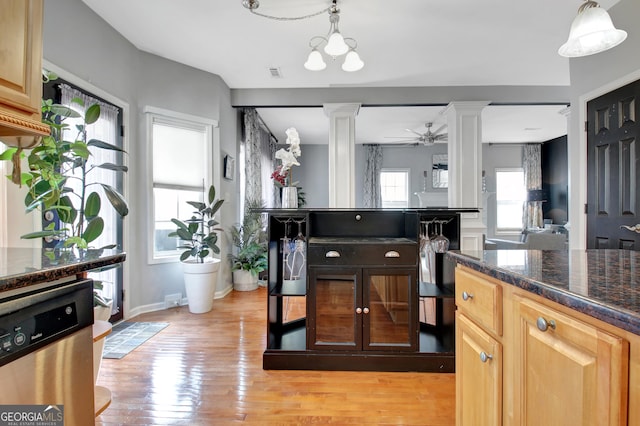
<point>334,323</point>
<point>389,315</point>
<point>613,178</point>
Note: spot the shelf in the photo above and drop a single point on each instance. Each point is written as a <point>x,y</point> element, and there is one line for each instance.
<point>294,339</point>
<point>102,399</point>
<point>437,340</point>
<point>290,288</point>
<point>431,290</point>
<point>101,329</point>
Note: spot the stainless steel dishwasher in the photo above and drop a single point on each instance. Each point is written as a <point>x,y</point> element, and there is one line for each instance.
<point>46,350</point>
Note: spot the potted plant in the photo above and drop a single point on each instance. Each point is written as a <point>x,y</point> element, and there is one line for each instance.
<point>249,255</point>
<point>58,178</point>
<point>198,236</point>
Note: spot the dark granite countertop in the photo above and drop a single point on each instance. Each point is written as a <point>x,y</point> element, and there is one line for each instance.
<point>22,267</point>
<point>604,284</point>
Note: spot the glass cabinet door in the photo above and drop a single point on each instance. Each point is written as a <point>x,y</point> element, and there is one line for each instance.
<point>334,322</point>
<point>388,311</point>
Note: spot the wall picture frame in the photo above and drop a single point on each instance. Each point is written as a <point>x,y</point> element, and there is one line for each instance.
<point>229,167</point>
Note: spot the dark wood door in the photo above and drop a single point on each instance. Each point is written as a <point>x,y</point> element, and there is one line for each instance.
<point>613,175</point>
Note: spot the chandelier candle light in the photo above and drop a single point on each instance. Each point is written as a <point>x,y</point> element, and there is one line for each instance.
<point>335,44</point>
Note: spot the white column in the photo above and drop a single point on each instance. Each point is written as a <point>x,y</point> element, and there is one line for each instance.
<point>342,139</point>
<point>464,124</point>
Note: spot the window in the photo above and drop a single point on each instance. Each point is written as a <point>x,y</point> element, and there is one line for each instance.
<point>394,186</point>
<point>510,198</point>
<point>181,171</point>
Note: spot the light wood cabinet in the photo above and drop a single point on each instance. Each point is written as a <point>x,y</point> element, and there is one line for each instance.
<point>543,363</point>
<point>21,72</point>
<point>479,394</point>
<point>567,371</point>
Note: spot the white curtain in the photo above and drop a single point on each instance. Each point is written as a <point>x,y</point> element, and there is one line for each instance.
<point>372,193</point>
<point>531,161</point>
<point>105,129</point>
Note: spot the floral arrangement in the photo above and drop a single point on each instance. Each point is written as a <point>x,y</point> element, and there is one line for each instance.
<point>288,157</point>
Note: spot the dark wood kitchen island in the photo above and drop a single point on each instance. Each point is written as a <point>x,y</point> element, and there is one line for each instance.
<point>354,276</point>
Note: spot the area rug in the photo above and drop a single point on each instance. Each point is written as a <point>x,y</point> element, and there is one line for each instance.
<point>126,336</point>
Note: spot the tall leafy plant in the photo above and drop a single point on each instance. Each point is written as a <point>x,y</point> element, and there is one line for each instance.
<point>55,163</point>
<point>249,241</point>
<point>198,234</point>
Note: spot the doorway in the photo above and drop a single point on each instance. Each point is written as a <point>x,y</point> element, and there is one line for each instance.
<point>613,179</point>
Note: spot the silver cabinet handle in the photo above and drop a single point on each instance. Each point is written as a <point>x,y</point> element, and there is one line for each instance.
<point>358,310</point>
<point>392,253</point>
<point>365,310</point>
<point>484,357</point>
<point>332,253</point>
<point>634,228</point>
<point>466,296</point>
<point>543,324</point>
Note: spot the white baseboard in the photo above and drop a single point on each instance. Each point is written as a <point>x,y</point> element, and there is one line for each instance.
<point>160,306</point>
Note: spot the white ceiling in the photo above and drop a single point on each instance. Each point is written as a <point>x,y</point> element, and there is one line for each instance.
<point>402,42</point>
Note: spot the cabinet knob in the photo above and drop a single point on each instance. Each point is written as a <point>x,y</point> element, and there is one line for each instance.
<point>484,357</point>
<point>332,253</point>
<point>392,253</point>
<point>543,324</point>
<point>358,310</point>
<point>365,310</point>
<point>466,296</point>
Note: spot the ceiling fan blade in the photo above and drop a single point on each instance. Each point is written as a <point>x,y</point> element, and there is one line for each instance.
<point>398,137</point>
<point>406,140</point>
<point>413,131</point>
<point>442,137</point>
<point>439,129</point>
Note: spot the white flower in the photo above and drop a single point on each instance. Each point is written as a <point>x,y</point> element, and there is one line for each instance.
<point>288,160</point>
<point>292,135</point>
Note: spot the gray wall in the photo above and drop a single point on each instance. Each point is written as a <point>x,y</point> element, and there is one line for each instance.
<point>79,42</point>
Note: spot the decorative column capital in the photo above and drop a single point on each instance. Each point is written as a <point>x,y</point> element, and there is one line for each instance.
<point>341,109</point>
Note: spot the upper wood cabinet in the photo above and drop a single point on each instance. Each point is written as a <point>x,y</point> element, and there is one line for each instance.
<point>21,72</point>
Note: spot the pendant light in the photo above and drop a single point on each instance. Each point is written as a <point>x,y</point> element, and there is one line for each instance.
<point>591,32</point>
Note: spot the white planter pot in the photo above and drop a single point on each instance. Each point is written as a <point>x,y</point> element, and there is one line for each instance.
<point>244,280</point>
<point>102,313</point>
<point>200,283</point>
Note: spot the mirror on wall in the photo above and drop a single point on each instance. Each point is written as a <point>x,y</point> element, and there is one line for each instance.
<point>440,171</point>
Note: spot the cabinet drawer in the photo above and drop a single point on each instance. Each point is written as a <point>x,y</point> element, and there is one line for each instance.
<point>377,252</point>
<point>479,299</point>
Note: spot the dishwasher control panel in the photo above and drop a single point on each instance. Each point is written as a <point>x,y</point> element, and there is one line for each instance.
<point>51,315</point>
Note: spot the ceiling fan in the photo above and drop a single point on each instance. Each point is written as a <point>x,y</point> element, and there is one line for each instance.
<point>428,138</point>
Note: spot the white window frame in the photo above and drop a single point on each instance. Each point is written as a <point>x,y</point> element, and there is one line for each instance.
<point>212,147</point>
<point>3,199</point>
<point>506,231</point>
<point>408,174</point>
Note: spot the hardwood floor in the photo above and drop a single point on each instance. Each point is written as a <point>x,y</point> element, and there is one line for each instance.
<point>206,369</point>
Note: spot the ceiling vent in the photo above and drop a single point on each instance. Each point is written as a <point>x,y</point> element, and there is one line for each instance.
<point>275,72</point>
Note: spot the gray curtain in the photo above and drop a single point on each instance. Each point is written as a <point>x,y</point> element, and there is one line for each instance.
<point>372,197</point>
<point>531,161</point>
<point>259,148</point>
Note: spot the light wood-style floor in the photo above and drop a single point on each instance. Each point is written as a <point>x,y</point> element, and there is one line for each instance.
<point>206,369</point>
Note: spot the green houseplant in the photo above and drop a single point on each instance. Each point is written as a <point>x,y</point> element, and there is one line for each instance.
<point>198,237</point>
<point>249,255</point>
<point>58,179</point>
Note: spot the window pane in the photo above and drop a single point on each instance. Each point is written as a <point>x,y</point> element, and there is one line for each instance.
<point>180,174</point>
<point>169,204</point>
<point>394,186</point>
<point>510,198</point>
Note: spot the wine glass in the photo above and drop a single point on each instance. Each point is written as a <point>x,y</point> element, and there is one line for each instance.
<point>439,242</point>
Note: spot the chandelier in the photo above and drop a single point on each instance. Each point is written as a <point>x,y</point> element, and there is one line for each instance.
<point>591,32</point>
<point>335,44</point>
